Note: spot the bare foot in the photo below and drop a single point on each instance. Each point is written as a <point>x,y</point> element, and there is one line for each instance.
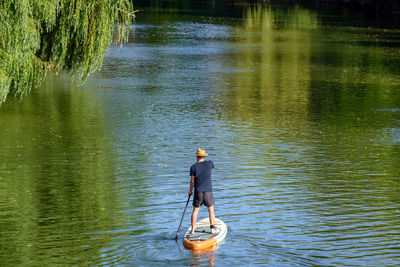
<point>213,231</point>
<point>191,233</point>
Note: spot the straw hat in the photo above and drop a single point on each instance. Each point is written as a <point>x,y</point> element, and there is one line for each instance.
<point>201,152</point>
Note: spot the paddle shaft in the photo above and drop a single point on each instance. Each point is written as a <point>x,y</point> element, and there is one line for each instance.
<point>183,215</point>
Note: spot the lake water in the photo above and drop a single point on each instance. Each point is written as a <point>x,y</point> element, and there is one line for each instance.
<point>300,112</point>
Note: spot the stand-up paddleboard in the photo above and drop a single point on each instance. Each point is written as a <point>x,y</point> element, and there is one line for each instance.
<point>203,238</point>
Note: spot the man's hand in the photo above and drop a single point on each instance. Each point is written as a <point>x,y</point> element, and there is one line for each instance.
<point>190,193</point>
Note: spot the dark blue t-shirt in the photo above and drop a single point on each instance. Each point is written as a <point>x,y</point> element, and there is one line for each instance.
<point>202,175</point>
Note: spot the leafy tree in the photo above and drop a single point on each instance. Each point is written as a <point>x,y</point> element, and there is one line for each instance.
<point>37,36</point>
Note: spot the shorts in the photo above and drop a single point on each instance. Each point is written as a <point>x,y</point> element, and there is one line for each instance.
<point>206,198</point>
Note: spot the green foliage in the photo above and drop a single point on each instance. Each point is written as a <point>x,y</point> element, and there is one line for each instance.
<point>37,36</point>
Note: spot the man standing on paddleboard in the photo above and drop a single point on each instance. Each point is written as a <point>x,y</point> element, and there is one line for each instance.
<point>200,174</point>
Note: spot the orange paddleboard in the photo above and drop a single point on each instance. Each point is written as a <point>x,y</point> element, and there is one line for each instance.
<point>203,238</point>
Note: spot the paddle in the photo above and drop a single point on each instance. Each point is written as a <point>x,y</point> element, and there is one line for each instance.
<point>177,233</point>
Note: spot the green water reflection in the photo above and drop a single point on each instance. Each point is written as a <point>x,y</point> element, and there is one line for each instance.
<point>295,75</point>
<point>58,202</point>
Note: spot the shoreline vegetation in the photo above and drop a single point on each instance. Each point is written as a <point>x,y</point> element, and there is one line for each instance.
<point>39,36</point>
<point>385,10</point>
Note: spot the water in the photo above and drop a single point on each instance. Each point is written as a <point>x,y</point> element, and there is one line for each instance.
<point>300,116</point>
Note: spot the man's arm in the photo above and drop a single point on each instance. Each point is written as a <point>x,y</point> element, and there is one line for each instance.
<point>191,185</point>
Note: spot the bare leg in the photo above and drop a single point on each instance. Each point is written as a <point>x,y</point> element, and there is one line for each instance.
<point>212,218</point>
<point>194,218</point>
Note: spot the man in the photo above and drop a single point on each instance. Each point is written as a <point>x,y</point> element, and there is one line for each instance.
<point>200,174</point>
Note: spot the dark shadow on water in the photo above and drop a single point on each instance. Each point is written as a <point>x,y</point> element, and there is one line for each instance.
<point>165,237</point>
